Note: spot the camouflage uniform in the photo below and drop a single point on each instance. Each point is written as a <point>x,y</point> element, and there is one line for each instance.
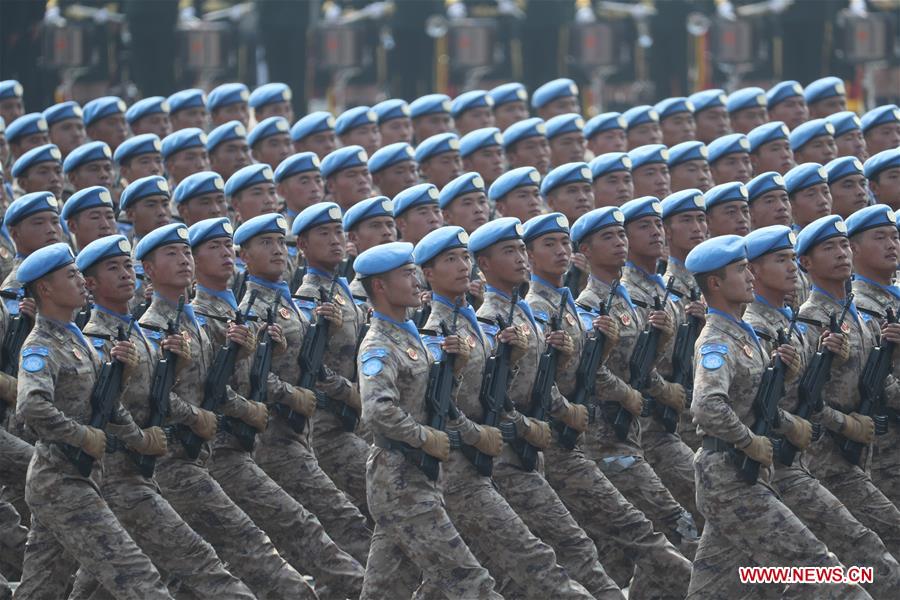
<point>297,534</point>
<point>287,456</point>
<point>12,542</point>
<point>7,255</point>
<point>359,295</point>
<point>71,523</point>
<point>684,283</point>
<point>190,488</point>
<point>623,535</point>
<point>745,524</point>
<point>11,283</point>
<point>411,525</point>
<point>818,508</point>
<point>850,483</point>
<point>801,294</point>
<point>528,492</point>
<point>496,534</point>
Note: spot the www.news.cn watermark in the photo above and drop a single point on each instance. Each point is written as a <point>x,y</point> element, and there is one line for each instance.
<point>810,575</point>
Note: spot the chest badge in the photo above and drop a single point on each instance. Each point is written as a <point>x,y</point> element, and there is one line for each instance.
<point>524,329</point>
<point>625,318</point>
<point>186,334</point>
<point>570,319</point>
<point>411,352</point>
<point>748,351</point>
<point>284,312</point>
<point>77,354</point>
<point>845,327</point>
<point>339,300</point>
<point>471,341</point>
<point>4,253</point>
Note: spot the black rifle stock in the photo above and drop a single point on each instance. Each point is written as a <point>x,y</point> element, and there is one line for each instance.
<point>682,366</point>
<point>19,328</point>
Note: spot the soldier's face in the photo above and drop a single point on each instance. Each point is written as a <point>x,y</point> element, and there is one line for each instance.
<point>142,165</point>
<point>508,113</point>
<point>572,199</point>
<point>848,195</point>
<point>475,118</point>
<point>551,254</point>
<point>441,169</point>
<point>187,162</point>
<point>811,203</point>
<point>321,143</point>
<point>732,167</point>
<point>772,208</point>
<point>607,248</point>
<point>646,133</point>
<point>149,213</point>
<point>11,109</point>
<point>26,143</point>
<point>488,162</point>
<point>96,172</point>
<point>737,284</point>
<point>820,149</point>
<point>265,255</point>
<point>691,174</point>
<point>611,140</point>
<point>449,272</point>
<point>196,116</point>
<point>429,125</point>
<point>275,109</point>
<point>776,271</point>
<point>685,230</point>
<point>35,232</point>
<point>712,123</point>
<point>744,121</point>
<point>302,190</point>
<point>64,287</point>
<point>774,156</point>
<point>883,137</point>
<point>522,203</point>
<point>613,189</point>
<point>831,260</point>
<point>886,187</point>
<point>46,176</point>
<point>652,180</point>
<point>396,178</point>
<point>238,111</point>
<point>112,280</point>
<point>259,199</point>
<point>469,211</point>
<point>273,149</point>
<point>230,156</point>
<point>373,232</point>
<point>530,152</point>
<point>367,136</point>
<point>792,111</point>
<point>828,106</point>
<point>171,265</point>
<point>505,263</point>
<point>215,258</point>
<point>207,206</point>
<point>92,224</point>
<point>157,123</point>
<point>68,134</point>
<point>349,186</point>
<point>678,128</point>
<point>566,148</point>
<point>560,106</point>
<point>323,245</point>
<point>4,149</point>
<point>400,287</point>
<point>645,238</point>
<point>729,218</point>
<point>852,143</point>
<point>418,221</point>
<point>877,249</point>
<point>396,130</point>
<point>112,129</point>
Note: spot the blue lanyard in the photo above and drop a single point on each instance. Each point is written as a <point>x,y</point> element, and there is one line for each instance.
<point>342,281</point>
<point>893,290</point>
<point>407,326</point>
<point>225,295</point>
<point>279,286</point>
<point>521,304</point>
<point>784,310</point>
<point>740,323</point>
<point>654,277</point>
<point>852,307</point>
<point>561,290</point>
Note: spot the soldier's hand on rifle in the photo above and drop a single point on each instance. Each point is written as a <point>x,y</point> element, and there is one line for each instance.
<point>537,433</point>
<point>562,341</point>
<point>838,344</point>
<point>243,337</point>
<point>696,309</point>
<point>453,344</point>
<point>891,332</point>
<point>576,417</point>
<point>148,290</point>
<point>94,442</point>
<point>181,348</point>
<point>858,428</point>
<point>580,261</point>
<point>517,341</point>
<point>633,402</point>
<point>352,398</point>
<point>154,442</point>
<point>791,359</point>
<point>126,353</point>
<point>332,312</point>
<point>759,449</point>
<point>28,308</point>
<point>673,395</point>
<point>609,327</point>
<point>277,335</point>
<point>437,443</point>
<point>476,288</point>
<point>800,433</point>
<point>205,424</point>
<point>8,389</point>
<point>257,415</point>
<point>302,401</point>
<point>490,441</point>
<point>659,319</point>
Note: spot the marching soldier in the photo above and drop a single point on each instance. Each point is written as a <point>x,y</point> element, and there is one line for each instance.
<point>464,202</point>
<point>145,203</point>
<point>650,171</point>
<point>184,153</point>
<point>200,196</point>
<point>27,132</point>
<point>149,115</point>
<point>272,100</point>
<point>642,126</point>
<point>568,190</point>
<point>416,212</point>
<point>394,123</point>
<point>848,136</point>
<point>676,120</point>
<point>481,151</point>
<point>813,141</point>
<point>139,156</point>
<point>881,128</point>
<point>510,104</point>
<point>883,173</point>
<point>612,181</point>
<point>771,149</point>
<point>39,170</point>
<point>472,110</point>
<point>847,185</point>
<point>104,120</point>
<point>785,102</point>
<point>346,175</point>
<point>299,183</point>
<point>315,133</point>
<point>368,224</point>
<point>566,137</point>
<point>430,116</point>
<point>358,126</point>
<point>606,133</point>
<point>187,108</point>
<point>89,215</point>
<point>747,109</point>
<point>439,159</point>
<point>729,159</point>
<point>727,209</point>
<point>825,97</point>
<point>557,97</point>
<point>33,223</point>
<point>65,126</point>
<point>689,168</point>
<point>525,144</point>
<point>394,168</point>
<point>88,165</point>
<point>228,149</point>
<point>270,141</point>
<point>769,201</point>
<point>228,102</point>
<point>710,114</point>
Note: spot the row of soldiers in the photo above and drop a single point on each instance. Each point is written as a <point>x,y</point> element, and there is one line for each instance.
<point>364,435</point>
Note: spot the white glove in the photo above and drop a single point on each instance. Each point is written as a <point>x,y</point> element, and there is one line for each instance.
<point>858,9</point>
<point>187,14</point>
<point>101,16</point>
<point>585,15</point>
<point>52,16</point>
<point>726,10</point>
<point>376,10</point>
<point>778,6</point>
<point>456,11</point>
<point>509,8</point>
<point>332,12</point>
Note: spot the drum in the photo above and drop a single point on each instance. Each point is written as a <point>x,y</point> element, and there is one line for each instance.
<point>471,43</point>
<point>596,45</point>
<point>203,46</point>
<point>340,46</point>
<point>866,40</point>
<point>64,46</point>
<point>732,41</point>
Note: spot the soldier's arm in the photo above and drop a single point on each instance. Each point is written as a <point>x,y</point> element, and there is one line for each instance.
<point>35,406</point>
<point>830,418</point>
<point>381,410</point>
<point>711,408</point>
<point>122,425</point>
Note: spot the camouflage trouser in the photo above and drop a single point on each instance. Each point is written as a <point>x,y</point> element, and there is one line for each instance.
<point>622,534</point>
<point>523,565</point>
<point>687,431</point>
<point>247,550</point>
<point>673,461</point>
<point>342,455</point>
<point>15,454</point>
<point>295,468</point>
<point>176,549</point>
<point>12,541</point>
<point>885,465</point>
<point>747,525</point>
<point>831,522</point>
<point>5,590</point>
<point>72,525</point>
<point>298,535</point>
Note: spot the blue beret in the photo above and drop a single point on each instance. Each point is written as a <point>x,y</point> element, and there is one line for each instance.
<point>844,122</point>
<point>417,195</point>
<point>173,233</point>
<point>30,204</point>
<point>515,178</point>
<point>540,225</point>
<point>773,238</point>
<point>649,154</point>
<point>269,223</point>
<point>568,123</point>
<point>89,197</point>
<point>768,132</point>
<point>183,99</point>
<point>526,128</point>
<point>41,154</point>
<point>103,107</point>
<point>645,206</point>
<point>145,143</point>
<point>805,132</point>
<point>783,90</point>
<point>726,192</point>
<point>383,258</point>
<point>823,88</point>
<point>190,137</point>
<point>429,105</point>
<point>377,206</point>
<point>440,240</point>
<point>763,184</point>
<point>683,201</point>
<point>804,176</point>
<point>343,158</point>
<point>248,176</point>
<point>392,108</point>
<point>748,97</point>
<point>842,167</point>
<point>152,185</point>
<point>209,229</point>
<point>10,89</point>
<point>391,155</point>
<point>609,163</point>
<point>638,115</point>
<point>44,261</point>
<point>314,122</point>
<point>109,246</point>
<point>148,106</point>
<point>552,90</point>
<point>296,163</point>
<point>604,122</point>
<point>886,159</point>
<point>198,184</point>
<point>353,118</point>
<point>464,184</point>
<point>728,144</point>
<point>595,220</point>
<point>715,253</point>
<point>26,125</point>
<point>493,232</point>
<point>870,217</point>
<point>62,111</point>
<point>478,139</point>
<point>886,113</point>
<point>687,151</point>
<point>267,128</point>
<point>469,100</point>
<point>436,144</point>
<point>232,130</point>
<point>573,172</point>
<point>673,106</point>
<point>270,93</point>
<point>708,99</point>
<point>823,228</point>
<point>85,153</point>
<point>227,93</point>
<point>508,92</point>
<point>317,214</point>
